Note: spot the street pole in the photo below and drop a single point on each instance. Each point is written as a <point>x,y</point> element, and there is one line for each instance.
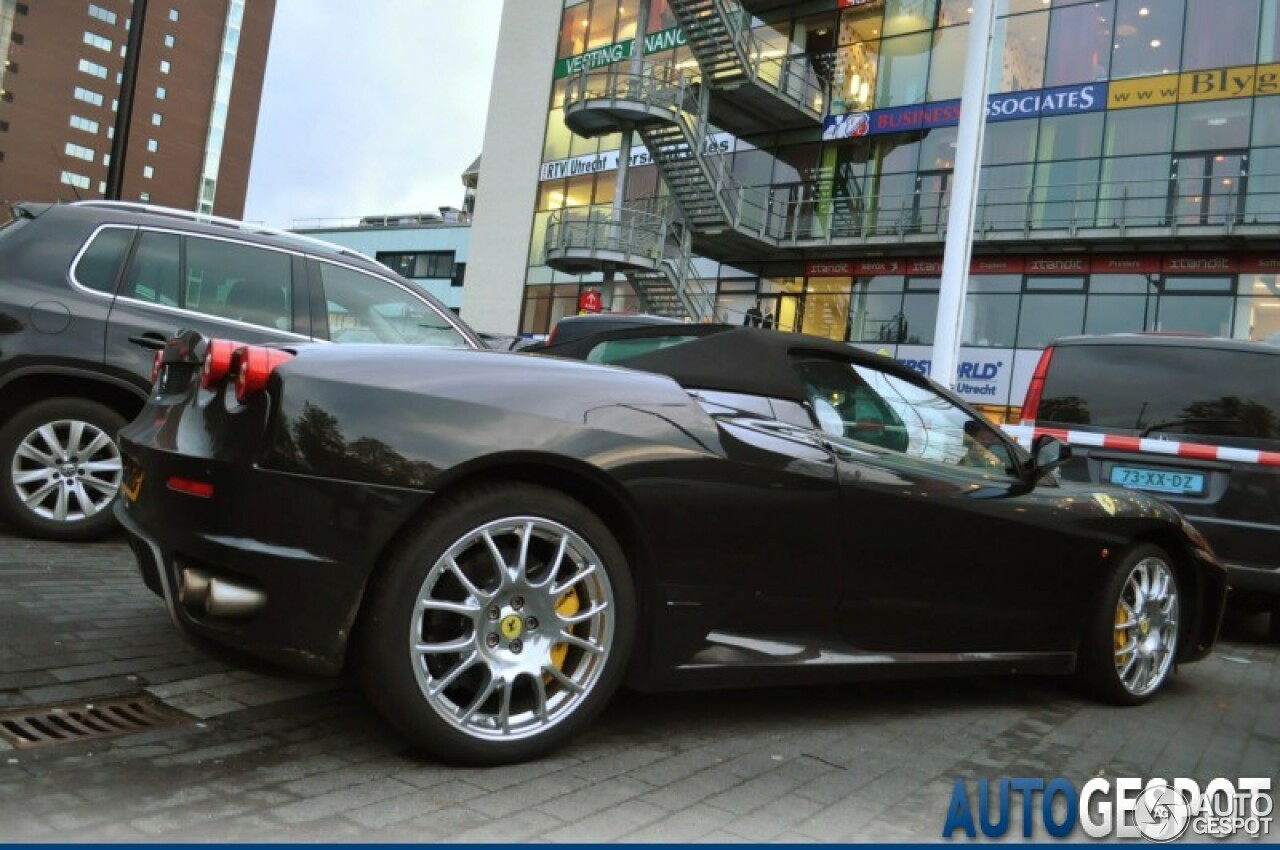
<point>624,149</point>
<point>124,109</point>
<point>964,195</point>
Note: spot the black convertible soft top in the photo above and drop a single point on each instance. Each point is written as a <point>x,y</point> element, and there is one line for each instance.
<point>730,358</point>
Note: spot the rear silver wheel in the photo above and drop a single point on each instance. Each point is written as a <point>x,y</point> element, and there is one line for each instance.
<point>499,625</point>
<point>512,628</point>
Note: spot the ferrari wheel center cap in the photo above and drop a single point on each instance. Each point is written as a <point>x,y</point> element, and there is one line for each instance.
<point>1144,626</point>
<point>512,625</point>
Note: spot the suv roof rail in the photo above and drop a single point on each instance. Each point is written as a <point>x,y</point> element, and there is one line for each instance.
<point>224,221</point>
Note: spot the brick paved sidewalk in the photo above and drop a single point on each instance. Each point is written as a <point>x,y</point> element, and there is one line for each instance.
<point>276,757</point>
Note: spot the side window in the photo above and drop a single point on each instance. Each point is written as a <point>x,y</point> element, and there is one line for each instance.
<point>100,262</point>
<point>364,308</point>
<point>240,282</point>
<point>153,276</point>
<point>864,404</point>
<point>619,349</point>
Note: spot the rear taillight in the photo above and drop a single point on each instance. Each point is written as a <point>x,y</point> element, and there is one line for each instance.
<point>255,365</point>
<point>217,361</point>
<point>1031,405</point>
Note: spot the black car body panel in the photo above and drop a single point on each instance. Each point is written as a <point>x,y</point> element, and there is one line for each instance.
<point>1223,395</point>
<point>763,552</point>
<point>89,292</point>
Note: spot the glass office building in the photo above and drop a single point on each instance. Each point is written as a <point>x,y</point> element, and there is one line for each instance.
<point>701,156</point>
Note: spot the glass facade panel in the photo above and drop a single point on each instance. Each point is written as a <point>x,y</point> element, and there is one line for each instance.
<point>876,316</point>
<point>1148,37</point>
<point>1220,33</point>
<point>1133,131</point>
<point>1020,42</point>
<point>904,70</point>
<point>946,71</point>
<point>1206,314</point>
<point>1080,44</point>
<point>1215,125</point>
<point>1113,314</point>
<point>1046,317</point>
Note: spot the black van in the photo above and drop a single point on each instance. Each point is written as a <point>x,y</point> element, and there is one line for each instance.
<point>1195,420</point>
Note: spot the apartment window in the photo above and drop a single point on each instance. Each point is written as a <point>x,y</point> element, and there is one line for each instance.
<point>173,14</point>
<point>144,196</point>
<point>168,41</point>
<point>21,9</point>
<point>73,179</point>
<point>111,132</point>
<point>419,264</point>
<point>4,126</point>
<point>95,40</point>
<point>165,66</point>
<point>148,172</point>
<point>79,152</point>
<point>156,119</point>
<point>152,146</point>
<point>89,96</point>
<point>160,93</point>
<point>105,15</point>
<point>106,159</point>
<point>85,124</point>
<point>93,69</point>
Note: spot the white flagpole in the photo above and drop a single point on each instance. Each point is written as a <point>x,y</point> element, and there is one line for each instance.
<point>964,194</point>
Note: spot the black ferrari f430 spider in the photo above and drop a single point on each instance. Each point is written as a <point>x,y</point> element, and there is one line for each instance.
<point>497,542</point>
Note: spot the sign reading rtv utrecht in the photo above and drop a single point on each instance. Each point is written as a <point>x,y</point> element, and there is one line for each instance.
<point>1126,807</point>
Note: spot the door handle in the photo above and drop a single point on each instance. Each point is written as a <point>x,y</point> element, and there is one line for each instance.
<point>150,340</point>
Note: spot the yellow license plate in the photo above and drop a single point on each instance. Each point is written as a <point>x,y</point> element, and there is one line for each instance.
<point>132,485</point>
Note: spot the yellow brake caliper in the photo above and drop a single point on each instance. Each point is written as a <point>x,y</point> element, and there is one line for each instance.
<point>1121,635</point>
<point>566,607</point>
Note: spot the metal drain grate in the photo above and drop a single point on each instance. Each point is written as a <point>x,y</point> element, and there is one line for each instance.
<point>42,726</point>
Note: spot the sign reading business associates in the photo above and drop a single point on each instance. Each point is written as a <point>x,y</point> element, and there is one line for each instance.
<point>1061,100</point>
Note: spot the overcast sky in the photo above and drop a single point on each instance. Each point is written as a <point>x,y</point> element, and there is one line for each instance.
<point>371,107</point>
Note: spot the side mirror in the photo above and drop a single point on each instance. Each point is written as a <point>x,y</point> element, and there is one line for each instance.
<point>1047,454</point>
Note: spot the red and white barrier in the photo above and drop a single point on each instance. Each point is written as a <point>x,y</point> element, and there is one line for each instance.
<point>1024,434</point>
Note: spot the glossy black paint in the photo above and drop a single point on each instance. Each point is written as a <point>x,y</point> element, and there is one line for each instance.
<point>762,552</point>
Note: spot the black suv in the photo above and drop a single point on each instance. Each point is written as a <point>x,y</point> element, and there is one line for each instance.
<point>90,291</point>
<point>1193,420</point>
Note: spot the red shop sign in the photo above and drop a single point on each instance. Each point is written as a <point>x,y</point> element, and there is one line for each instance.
<point>996,265</point>
<point>1057,265</point>
<point>925,267</point>
<point>1261,264</point>
<point>830,268</point>
<point>589,301</point>
<point>1126,265</point>
<point>1201,264</point>
<point>870,268</point>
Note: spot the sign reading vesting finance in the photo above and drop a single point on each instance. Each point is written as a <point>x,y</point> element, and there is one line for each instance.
<point>1062,100</point>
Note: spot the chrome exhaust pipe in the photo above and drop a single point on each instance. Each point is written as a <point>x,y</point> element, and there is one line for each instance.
<point>225,599</point>
<point>194,589</point>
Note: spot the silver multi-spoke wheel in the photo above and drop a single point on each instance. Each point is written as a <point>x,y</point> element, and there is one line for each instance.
<point>66,470</point>
<point>1146,626</point>
<point>512,628</point>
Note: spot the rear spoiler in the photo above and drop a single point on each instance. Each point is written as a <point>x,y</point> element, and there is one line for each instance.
<point>27,209</point>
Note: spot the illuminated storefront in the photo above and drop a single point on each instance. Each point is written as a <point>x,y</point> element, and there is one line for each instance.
<point>1131,175</point>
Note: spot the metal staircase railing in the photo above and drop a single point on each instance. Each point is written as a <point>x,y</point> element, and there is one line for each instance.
<point>668,108</point>
<point>729,53</point>
<point>645,242</point>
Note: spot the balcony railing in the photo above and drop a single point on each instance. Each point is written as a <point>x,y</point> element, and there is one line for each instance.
<point>815,212</point>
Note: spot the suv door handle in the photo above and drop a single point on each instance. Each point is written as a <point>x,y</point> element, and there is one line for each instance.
<point>150,340</point>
